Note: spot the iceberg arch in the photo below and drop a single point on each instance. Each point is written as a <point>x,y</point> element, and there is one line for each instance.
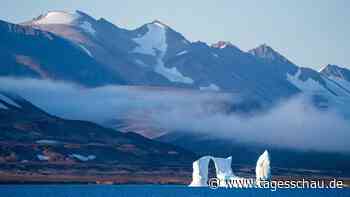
<point>224,170</point>
<point>200,169</point>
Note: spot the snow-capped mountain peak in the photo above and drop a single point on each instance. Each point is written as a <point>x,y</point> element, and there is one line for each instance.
<point>152,41</point>
<point>57,17</point>
<point>268,53</point>
<point>222,44</point>
<point>76,18</point>
<point>159,23</point>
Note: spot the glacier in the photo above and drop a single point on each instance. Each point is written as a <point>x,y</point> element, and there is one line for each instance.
<point>224,171</point>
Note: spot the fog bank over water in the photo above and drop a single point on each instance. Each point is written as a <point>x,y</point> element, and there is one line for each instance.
<point>293,123</point>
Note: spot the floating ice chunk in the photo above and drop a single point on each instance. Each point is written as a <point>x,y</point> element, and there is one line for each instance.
<point>223,167</point>
<point>262,169</point>
<point>200,172</point>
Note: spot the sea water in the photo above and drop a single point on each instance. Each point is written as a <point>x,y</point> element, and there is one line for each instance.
<point>155,191</point>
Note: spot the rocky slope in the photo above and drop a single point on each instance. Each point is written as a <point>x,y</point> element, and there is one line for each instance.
<point>32,140</point>
<point>28,52</point>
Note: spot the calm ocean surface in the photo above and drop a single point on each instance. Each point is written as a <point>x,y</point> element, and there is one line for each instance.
<point>152,191</point>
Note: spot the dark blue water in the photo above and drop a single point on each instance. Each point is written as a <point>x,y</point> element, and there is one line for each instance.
<point>154,191</point>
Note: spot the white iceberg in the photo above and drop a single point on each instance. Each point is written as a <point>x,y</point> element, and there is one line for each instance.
<point>224,171</point>
<point>262,169</point>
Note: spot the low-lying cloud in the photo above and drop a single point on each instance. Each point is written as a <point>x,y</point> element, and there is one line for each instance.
<point>293,123</point>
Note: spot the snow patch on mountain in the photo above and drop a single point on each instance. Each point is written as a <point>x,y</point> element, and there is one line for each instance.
<point>322,68</point>
<point>57,17</point>
<point>85,50</point>
<point>172,74</point>
<point>222,44</point>
<point>211,87</point>
<point>160,24</point>
<point>182,52</point>
<point>87,27</point>
<point>153,42</point>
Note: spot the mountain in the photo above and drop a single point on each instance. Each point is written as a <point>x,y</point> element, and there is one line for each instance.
<point>324,86</point>
<point>268,54</point>
<point>132,54</point>
<point>32,139</point>
<point>28,52</point>
<point>338,74</point>
<point>155,54</point>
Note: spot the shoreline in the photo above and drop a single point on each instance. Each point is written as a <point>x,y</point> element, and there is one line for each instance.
<point>126,179</point>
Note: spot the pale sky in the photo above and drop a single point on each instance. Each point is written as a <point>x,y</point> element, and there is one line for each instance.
<point>310,33</point>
